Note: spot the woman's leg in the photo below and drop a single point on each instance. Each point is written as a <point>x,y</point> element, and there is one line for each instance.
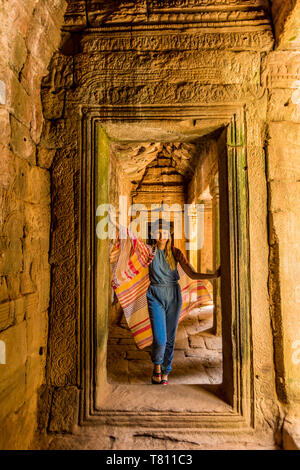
<point>172,316</point>
<point>157,316</point>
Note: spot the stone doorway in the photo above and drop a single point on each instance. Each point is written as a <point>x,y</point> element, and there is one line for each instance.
<point>101,400</point>
<point>173,174</point>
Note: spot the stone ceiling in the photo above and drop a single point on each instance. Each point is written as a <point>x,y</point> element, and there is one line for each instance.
<point>135,157</point>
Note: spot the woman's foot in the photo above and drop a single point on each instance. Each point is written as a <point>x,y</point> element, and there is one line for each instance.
<point>156,375</point>
<point>164,379</point>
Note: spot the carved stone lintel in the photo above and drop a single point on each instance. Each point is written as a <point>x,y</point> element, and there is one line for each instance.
<point>156,40</point>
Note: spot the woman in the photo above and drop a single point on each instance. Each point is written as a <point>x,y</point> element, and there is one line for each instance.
<point>163,291</point>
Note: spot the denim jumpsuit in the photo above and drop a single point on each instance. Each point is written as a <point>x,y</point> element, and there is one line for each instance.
<point>164,305</point>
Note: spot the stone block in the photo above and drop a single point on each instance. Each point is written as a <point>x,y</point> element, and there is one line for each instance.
<point>196,341</point>
<point>127,341</point>
<point>18,427</point>
<point>13,285</point>
<point>20,101</point>
<point>53,104</point>
<point>19,309</point>
<point>213,342</point>
<point>3,290</point>
<point>27,284</point>
<point>37,120</point>
<point>138,355</point>
<point>284,133</point>
<point>16,350</point>
<point>37,221</point>
<point>63,416</point>
<point>37,331</point>
<point>19,53</point>
<point>11,244</point>
<point>45,157</point>
<point>291,434</point>
<point>5,130</point>
<point>181,343</point>
<point>43,35</point>
<point>284,196</point>
<point>35,374</point>
<point>31,305</point>
<point>31,75</point>
<point>12,392</point>
<point>2,92</point>
<point>39,181</point>
<point>208,358</point>
<point>8,169</point>
<point>6,315</point>
<point>284,162</point>
<point>43,283</point>
<point>193,328</point>
<point>21,142</point>
<point>117,332</point>
<point>117,372</point>
<point>215,374</point>
<point>32,184</point>
<point>281,106</point>
<point>59,133</point>
<point>138,374</point>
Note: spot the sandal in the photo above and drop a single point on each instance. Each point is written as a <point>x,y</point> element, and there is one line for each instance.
<point>164,382</point>
<point>156,374</point>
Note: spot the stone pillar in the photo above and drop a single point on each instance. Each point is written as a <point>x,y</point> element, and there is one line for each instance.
<point>192,237</point>
<point>214,191</point>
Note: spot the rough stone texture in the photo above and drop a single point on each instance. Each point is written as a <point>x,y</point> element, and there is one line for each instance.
<point>192,356</point>
<point>284,211</point>
<point>286,20</point>
<point>30,33</point>
<point>138,68</point>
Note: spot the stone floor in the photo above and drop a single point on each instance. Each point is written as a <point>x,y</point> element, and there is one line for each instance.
<point>197,356</point>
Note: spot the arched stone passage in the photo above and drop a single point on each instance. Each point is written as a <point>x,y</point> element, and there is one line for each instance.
<point>144,64</point>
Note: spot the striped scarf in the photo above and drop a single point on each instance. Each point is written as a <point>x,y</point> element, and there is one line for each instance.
<point>130,259</point>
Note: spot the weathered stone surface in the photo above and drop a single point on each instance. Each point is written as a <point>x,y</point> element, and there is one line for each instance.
<point>283,163</point>
<point>137,355</point>
<point>196,342</point>
<point>45,157</point>
<point>16,351</point>
<point>144,63</point>
<point>213,342</point>
<point>63,411</point>
<point>2,92</point>
<point>22,255</point>
<point>21,142</point>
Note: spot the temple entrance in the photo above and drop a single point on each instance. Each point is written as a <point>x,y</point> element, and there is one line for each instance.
<point>173,175</point>
<point>119,370</point>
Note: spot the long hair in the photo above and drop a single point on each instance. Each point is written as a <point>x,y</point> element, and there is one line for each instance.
<point>169,254</point>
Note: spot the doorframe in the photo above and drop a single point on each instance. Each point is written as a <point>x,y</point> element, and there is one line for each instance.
<point>237,325</point>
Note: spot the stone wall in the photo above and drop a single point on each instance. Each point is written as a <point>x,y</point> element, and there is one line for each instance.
<point>156,67</point>
<point>139,65</point>
<point>283,175</point>
<point>30,32</point>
